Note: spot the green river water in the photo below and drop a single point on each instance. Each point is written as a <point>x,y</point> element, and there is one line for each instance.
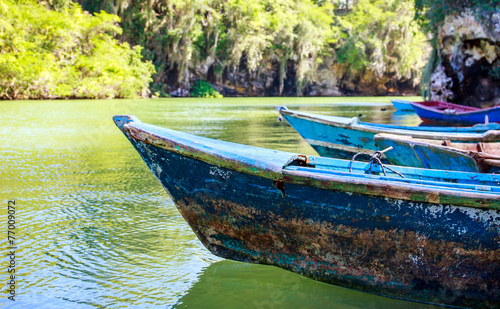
<point>94,228</point>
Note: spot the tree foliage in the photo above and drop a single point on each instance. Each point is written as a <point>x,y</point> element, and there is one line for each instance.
<point>278,30</point>
<point>248,35</point>
<point>66,53</point>
<point>203,89</point>
<point>178,35</point>
<point>431,13</point>
<point>237,39</point>
<point>381,36</point>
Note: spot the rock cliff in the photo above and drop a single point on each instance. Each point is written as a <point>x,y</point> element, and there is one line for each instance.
<point>331,80</point>
<point>469,54</point>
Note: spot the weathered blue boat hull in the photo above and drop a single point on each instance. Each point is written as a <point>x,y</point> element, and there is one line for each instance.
<point>340,137</point>
<point>331,227</point>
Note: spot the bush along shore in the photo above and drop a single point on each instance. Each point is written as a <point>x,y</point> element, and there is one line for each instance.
<point>49,54</point>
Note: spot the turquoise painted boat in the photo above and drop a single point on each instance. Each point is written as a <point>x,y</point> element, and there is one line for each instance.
<point>465,157</point>
<point>342,137</point>
<point>432,236</point>
<point>402,105</point>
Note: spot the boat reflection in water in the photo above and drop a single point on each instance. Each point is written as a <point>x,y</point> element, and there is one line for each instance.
<point>264,286</point>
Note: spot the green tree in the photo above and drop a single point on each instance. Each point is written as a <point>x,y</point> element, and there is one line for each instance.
<point>280,30</point>
<point>203,89</point>
<point>50,54</point>
<point>381,36</point>
<point>238,40</point>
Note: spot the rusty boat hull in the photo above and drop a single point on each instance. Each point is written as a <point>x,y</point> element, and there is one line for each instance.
<point>424,237</point>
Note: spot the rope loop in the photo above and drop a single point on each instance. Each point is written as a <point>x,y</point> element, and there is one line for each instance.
<point>376,158</point>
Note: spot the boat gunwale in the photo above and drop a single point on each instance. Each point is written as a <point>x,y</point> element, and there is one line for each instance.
<point>441,104</point>
<point>277,171</point>
<point>399,191</point>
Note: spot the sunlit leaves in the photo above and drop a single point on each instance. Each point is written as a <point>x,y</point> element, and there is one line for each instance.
<point>281,30</point>
<point>50,54</point>
<point>381,36</point>
<point>238,39</point>
<point>248,31</point>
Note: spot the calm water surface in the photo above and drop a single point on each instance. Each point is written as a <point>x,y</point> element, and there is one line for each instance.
<point>94,228</point>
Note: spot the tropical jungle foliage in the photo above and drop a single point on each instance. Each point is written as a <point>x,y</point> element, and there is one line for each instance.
<point>277,45</point>
<point>66,54</point>
<point>250,41</point>
<point>381,37</point>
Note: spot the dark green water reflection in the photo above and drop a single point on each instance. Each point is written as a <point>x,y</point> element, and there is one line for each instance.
<point>96,230</point>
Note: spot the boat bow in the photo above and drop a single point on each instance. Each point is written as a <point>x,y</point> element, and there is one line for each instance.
<point>243,158</point>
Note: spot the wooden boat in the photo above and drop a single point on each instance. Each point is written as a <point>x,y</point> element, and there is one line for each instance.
<point>342,137</point>
<point>466,157</point>
<point>433,236</point>
<point>449,113</point>
<point>402,105</point>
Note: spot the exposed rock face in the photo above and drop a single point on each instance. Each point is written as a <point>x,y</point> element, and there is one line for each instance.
<point>469,49</point>
<point>331,80</point>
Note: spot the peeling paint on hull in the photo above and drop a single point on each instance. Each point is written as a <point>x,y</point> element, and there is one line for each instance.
<point>399,247</point>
